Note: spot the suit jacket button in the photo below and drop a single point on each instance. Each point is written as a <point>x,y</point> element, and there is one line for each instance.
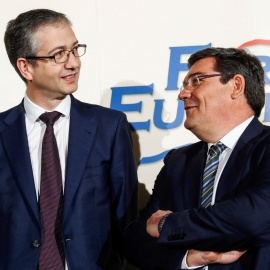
<point>36,244</point>
<point>170,237</point>
<point>182,236</point>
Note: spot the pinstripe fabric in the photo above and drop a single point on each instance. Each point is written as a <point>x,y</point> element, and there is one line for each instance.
<point>210,173</point>
<point>51,199</point>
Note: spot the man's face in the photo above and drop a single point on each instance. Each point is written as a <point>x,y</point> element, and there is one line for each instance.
<point>51,80</point>
<point>206,106</point>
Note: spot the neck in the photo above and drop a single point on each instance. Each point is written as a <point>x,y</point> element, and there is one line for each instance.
<point>47,103</point>
<point>217,132</point>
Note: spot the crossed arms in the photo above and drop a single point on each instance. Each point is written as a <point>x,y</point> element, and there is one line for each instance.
<point>236,222</point>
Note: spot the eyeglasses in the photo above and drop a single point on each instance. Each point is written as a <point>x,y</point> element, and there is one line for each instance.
<point>63,56</point>
<point>195,80</point>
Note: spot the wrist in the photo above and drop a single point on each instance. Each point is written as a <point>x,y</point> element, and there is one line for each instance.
<point>194,259</point>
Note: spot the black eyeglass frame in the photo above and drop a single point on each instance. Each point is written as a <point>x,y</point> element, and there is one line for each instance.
<point>203,76</point>
<point>53,56</point>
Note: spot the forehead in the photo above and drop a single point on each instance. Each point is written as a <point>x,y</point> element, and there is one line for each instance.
<point>202,66</point>
<point>55,35</point>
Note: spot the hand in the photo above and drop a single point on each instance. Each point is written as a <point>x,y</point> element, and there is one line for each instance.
<point>152,222</point>
<point>197,257</point>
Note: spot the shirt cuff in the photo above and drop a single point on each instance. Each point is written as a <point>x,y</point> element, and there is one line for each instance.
<point>185,266</point>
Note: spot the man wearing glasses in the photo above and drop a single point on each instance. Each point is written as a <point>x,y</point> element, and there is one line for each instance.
<point>210,204</point>
<point>68,179</point>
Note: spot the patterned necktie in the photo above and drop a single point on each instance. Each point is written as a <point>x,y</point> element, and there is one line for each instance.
<point>51,199</point>
<point>210,173</point>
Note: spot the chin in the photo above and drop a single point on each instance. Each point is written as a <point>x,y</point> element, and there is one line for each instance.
<point>187,124</point>
<point>70,90</point>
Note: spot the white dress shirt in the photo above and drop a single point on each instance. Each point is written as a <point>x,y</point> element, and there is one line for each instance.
<point>229,140</point>
<point>35,130</point>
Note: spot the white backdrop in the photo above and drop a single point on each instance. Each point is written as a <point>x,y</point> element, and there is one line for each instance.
<point>129,45</point>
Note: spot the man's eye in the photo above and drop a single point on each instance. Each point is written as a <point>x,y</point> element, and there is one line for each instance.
<point>58,53</point>
<point>75,48</point>
<point>193,80</point>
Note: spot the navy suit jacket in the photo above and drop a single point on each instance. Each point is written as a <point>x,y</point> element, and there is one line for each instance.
<point>99,197</point>
<point>239,219</point>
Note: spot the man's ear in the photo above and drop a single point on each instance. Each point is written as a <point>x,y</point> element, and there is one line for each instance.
<point>25,68</point>
<point>238,86</point>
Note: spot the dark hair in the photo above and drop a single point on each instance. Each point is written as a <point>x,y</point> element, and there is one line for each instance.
<point>20,40</point>
<point>238,61</point>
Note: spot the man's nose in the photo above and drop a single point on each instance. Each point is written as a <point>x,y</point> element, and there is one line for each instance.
<point>185,93</point>
<point>72,62</point>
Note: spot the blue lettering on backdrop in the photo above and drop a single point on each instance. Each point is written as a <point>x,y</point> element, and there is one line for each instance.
<point>266,61</point>
<point>118,92</point>
<point>158,112</point>
<point>267,108</point>
<point>175,67</point>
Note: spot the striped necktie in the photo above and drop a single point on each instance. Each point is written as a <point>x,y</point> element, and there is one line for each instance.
<point>210,173</point>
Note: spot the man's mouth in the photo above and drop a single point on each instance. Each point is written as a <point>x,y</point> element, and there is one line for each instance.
<point>69,77</point>
<point>189,107</point>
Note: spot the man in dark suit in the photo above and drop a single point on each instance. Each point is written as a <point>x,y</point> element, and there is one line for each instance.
<point>97,191</point>
<point>210,209</point>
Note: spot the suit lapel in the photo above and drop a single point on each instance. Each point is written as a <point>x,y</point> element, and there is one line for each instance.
<point>15,142</point>
<point>82,134</point>
<point>192,187</point>
<point>230,177</point>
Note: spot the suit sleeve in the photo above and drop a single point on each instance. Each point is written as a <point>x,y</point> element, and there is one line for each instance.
<point>141,249</point>
<point>240,222</point>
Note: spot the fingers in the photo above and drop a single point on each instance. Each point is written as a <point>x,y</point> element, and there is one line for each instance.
<point>199,258</point>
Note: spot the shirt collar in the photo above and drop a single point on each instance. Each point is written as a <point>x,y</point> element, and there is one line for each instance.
<point>231,138</point>
<point>33,111</point>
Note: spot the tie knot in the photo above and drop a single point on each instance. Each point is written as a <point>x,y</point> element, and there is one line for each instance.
<point>216,149</point>
<point>49,118</point>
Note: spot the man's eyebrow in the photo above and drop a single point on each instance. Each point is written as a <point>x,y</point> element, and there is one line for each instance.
<point>190,75</point>
<point>195,73</point>
<point>62,47</point>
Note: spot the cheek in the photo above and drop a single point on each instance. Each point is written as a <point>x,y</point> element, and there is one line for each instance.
<point>212,99</point>
<point>216,108</point>
<point>52,74</point>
